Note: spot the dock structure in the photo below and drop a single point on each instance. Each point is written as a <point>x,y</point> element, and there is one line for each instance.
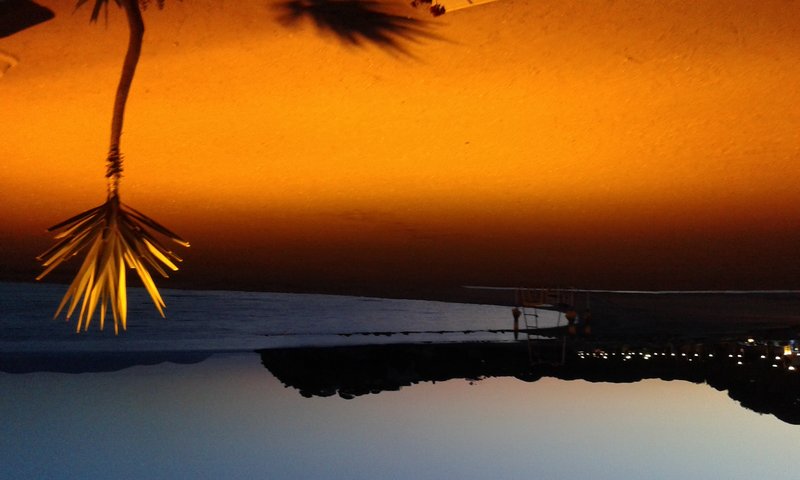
<point>688,312</point>
<point>529,301</point>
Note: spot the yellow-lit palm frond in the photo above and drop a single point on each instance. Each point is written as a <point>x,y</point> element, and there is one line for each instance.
<point>114,235</point>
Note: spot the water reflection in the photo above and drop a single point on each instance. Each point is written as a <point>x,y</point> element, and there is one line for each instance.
<point>758,372</point>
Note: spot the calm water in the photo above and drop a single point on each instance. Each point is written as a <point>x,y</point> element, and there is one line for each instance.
<point>224,415</point>
<point>217,320</point>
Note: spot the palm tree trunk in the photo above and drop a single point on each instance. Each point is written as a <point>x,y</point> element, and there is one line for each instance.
<point>136,29</point>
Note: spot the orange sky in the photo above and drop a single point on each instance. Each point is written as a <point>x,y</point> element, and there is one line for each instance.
<point>631,144</point>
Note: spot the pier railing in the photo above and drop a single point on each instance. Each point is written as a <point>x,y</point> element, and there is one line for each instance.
<point>546,298</point>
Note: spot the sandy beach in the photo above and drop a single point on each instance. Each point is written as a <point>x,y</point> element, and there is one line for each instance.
<point>371,148</point>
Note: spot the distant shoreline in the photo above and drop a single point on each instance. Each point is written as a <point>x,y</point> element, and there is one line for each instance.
<point>467,294</point>
<point>451,294</point>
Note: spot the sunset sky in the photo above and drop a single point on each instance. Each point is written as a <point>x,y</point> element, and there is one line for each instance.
<point>588,143</point>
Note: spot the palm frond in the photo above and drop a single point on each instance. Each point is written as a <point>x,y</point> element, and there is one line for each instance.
<point>113,235</point>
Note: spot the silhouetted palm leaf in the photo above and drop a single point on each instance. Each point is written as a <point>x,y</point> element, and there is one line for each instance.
<point>356,21</point>
<point>114,236</point>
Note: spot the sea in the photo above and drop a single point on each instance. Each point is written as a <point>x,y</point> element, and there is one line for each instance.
<point>217,321</point>
<point>242,385</point>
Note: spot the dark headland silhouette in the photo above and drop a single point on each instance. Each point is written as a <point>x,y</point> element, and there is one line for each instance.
<point>758,373</point>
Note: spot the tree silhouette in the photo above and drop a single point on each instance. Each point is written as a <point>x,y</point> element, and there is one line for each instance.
<point>113,234</point>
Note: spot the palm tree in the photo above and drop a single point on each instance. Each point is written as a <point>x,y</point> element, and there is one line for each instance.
<point>113,234</point>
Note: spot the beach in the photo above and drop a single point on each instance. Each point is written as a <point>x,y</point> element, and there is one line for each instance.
<point>624,145</point>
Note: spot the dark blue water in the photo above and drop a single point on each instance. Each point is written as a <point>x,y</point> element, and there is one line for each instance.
<point>222,320</point>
